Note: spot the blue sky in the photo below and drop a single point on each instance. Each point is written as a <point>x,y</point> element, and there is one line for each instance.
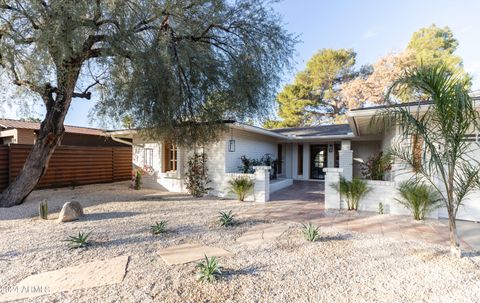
<point>372,28</point>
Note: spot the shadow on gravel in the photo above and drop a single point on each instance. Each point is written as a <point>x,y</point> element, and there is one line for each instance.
<point>109,215</point>
<point>251,270</point>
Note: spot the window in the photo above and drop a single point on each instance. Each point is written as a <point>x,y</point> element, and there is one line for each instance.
<point>417,151</point>
<point>170,157</point>
<point>148,157</point>
<point>300,160</point>
<point>279,157</point>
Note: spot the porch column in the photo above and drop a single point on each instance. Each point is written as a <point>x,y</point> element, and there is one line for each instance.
<point>261,191</point>
<point>332,196</point>
<point>346,160</point>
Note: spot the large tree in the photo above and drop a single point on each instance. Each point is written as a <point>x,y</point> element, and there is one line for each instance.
<point>428,46</point>
<point>315,95</point>
<point>176,67</point>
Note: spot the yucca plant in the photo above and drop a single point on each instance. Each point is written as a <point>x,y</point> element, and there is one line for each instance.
<point>419,198</point>
<point>79,241</point>
<point>310,232</point>
<point>158,227</point>
<point>208,270</point>
<point>43,210</point>
<point>226,219</point>
<point>241,186</point>
<point>352,191</point>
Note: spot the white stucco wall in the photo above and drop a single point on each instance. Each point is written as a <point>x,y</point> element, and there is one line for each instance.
<point>248,144</point>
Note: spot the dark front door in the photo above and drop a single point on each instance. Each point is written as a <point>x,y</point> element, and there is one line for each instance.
<point>318,160</point>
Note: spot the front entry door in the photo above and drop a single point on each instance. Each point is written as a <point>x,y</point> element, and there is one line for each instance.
<point>318,161</point>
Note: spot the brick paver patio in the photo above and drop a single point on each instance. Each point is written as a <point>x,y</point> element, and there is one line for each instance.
<point>303,202</point>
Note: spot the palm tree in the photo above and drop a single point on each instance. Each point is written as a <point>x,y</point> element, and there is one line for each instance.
<point>442,124</point>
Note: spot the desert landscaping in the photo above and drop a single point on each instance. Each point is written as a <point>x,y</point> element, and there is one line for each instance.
<point>263,259</point>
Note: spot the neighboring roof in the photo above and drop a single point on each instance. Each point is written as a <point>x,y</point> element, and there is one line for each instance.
<point>10,123</point>
<point>321,130</point>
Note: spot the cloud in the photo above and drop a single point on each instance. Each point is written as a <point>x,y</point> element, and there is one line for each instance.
<point>370,34</point>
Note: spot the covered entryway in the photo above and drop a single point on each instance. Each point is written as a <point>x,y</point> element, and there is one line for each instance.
<point>301,191</point>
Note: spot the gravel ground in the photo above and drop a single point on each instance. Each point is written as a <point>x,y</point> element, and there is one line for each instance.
<point>341,267</point>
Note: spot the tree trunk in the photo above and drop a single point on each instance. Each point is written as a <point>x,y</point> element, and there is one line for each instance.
<point>48,138</point>
<point>455,250</point>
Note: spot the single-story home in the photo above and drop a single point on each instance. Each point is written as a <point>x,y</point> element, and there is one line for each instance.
<point>25,132</point>
<point>306,153</point>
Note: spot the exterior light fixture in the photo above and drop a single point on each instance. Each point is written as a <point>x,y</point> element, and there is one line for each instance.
<point>231,142</point>
<point>330,148</point>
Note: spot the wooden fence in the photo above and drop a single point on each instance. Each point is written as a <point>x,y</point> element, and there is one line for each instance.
<point>70,165</point>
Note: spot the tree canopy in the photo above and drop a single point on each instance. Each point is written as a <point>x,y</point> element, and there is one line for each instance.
<point>429,46</point>
<point>175,67</point>
<point>315,97</point>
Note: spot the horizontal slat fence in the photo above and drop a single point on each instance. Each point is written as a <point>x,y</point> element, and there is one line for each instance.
<point>70,165</point>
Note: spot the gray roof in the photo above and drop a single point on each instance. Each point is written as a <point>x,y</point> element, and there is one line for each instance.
<point>309,131</point>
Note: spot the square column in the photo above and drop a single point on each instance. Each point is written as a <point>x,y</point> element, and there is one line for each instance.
<point>261,190</point>
<point>332,196</point>
<point>346,160</point>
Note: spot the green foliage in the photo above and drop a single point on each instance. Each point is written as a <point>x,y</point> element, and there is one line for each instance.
<point>197,179</point>
<point>434,45</point>
<point>352,191</point>
<point>315,96</point>
<point>159,227</point>
<point>137,180</point>
<point>249,163</point>
<point>226,219</point>
<point>175,67</point>
<point>79,241</point>
<point>451,116</point>
<point>43,210</point>
<point>380,208</point>
<point>376,166</point>
<point>241,186</point>
<point>208,270</point>
<point>310,232</point>
<point>419,198</point>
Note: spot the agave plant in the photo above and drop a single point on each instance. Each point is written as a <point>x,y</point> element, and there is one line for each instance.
<point>208,270</point>
<point>352,191</point>
<point>419,198</point>
<point>79,241</point>
<point>310,232</point>
<point>159,227</point>
<point>241,186</point>
<point>226,219</point>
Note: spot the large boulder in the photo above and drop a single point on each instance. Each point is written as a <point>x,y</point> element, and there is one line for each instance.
<point>70,211</point>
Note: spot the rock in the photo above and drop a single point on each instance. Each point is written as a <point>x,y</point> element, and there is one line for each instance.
<point>70,211</point>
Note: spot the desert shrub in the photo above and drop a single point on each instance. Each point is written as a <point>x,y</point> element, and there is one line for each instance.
<point>376,166</point>
<point>419,198</point>
<point>208,270</point>
<point>380,208</point>
<point>43,210</point>
<point>310,232</point>
<point>241,186</point>
<point>79,241</point>
<point>226,219</point>
<point>197,179</point>
<point>352,191</point>
<point>158,227</point>
<point>136,180</point>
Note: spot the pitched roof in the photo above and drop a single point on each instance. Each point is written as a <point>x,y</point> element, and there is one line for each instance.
<point>309,131</point>
<point>10,123</point>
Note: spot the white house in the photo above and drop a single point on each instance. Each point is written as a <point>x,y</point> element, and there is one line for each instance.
<point>317,154</point>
